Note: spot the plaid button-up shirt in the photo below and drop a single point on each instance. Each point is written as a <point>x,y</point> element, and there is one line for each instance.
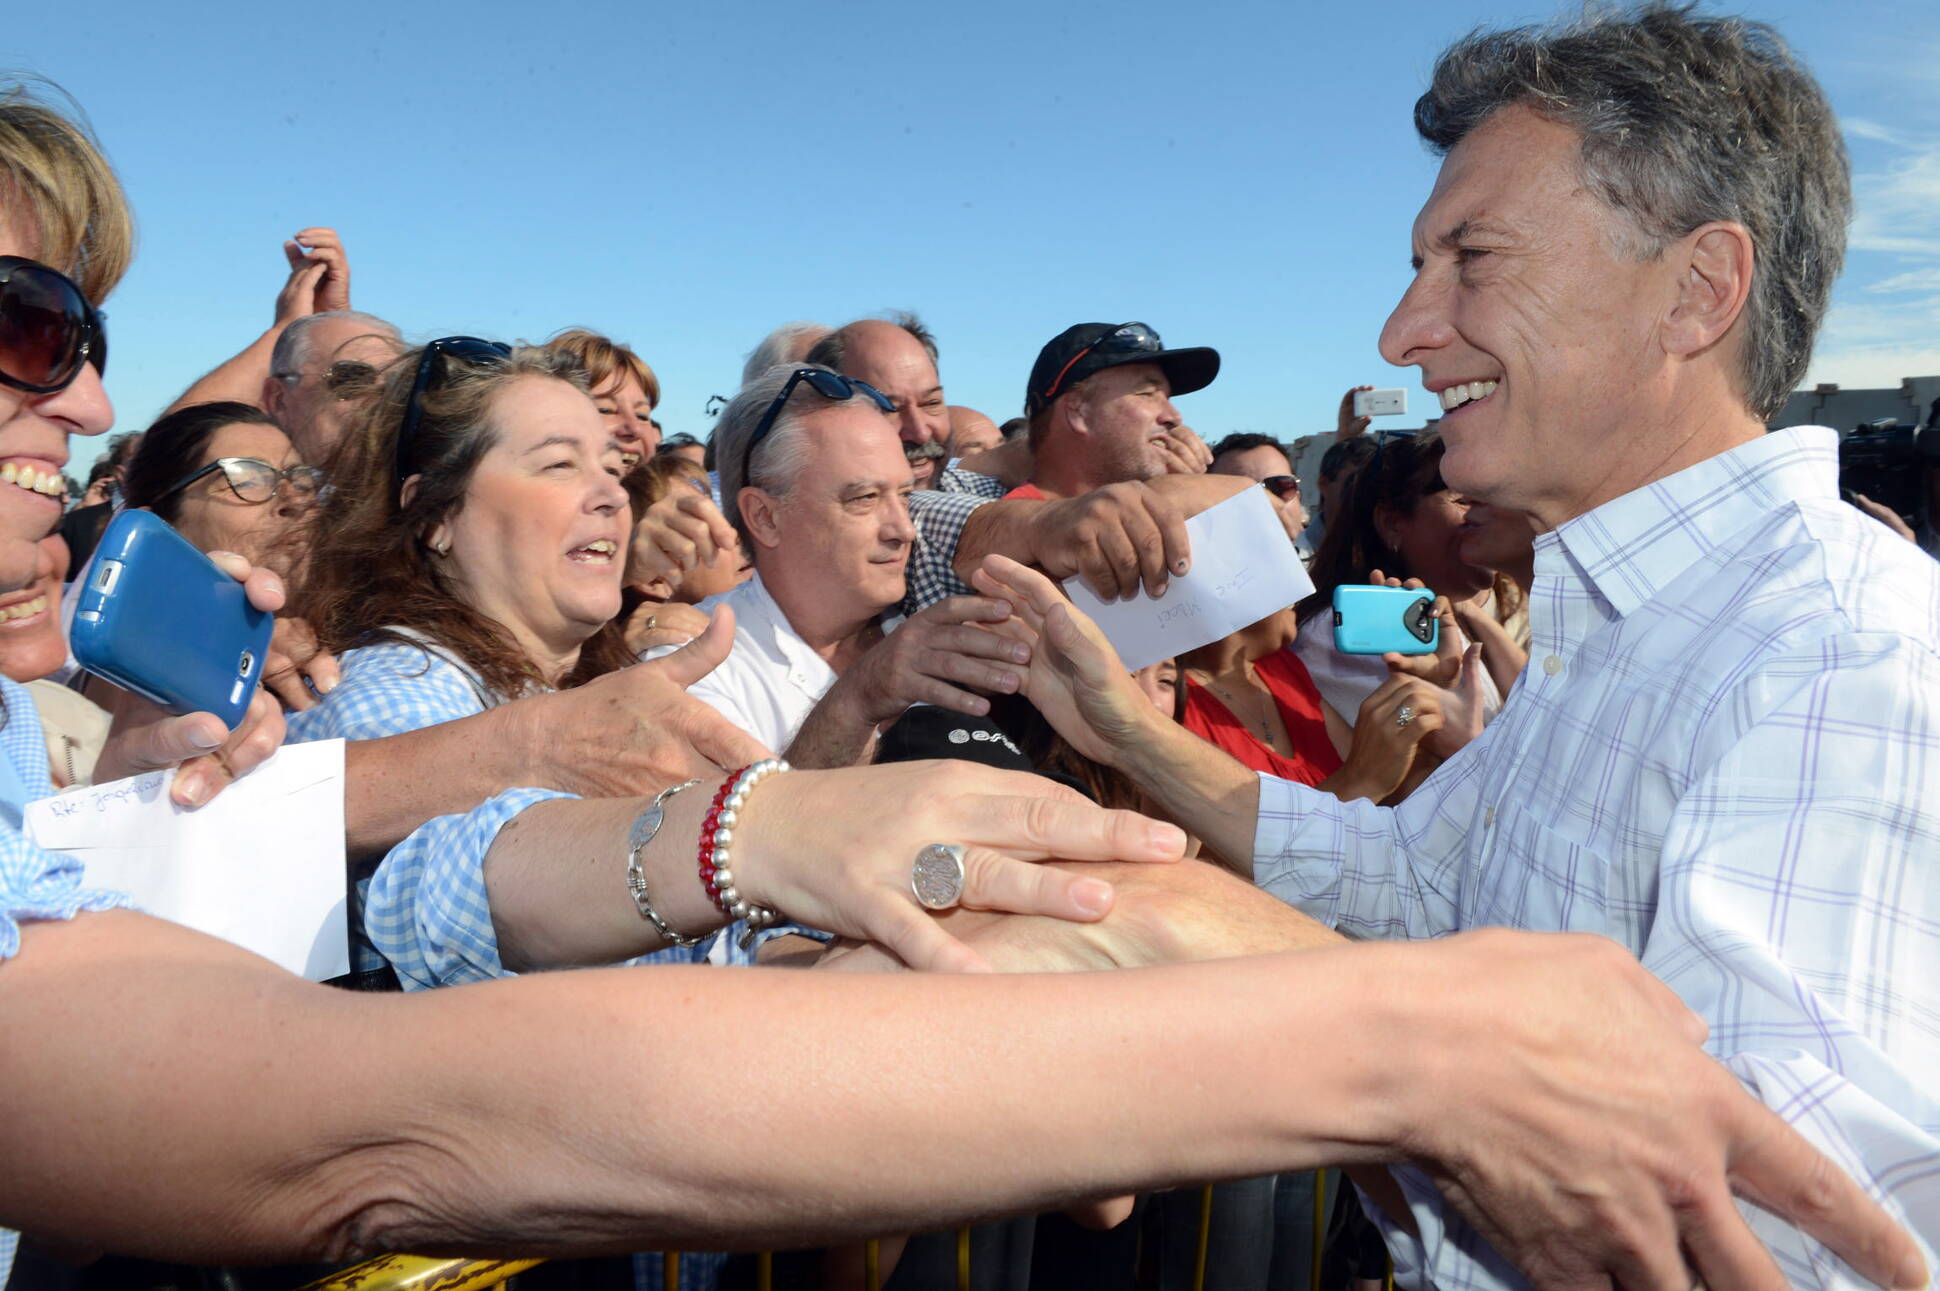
<point>1724,754</point>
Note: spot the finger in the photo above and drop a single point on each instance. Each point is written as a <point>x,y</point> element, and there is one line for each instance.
<point>1116,547</point>
<point>1414,666</point>
<point>265,589</point>
<point>993,881</point>
<point>198,780</point>
<point>939,667</point>
<point>287,686</point>
<point>1041,826</point>
<point>721,742</point>
<point>980,641</point>
<point>1723,1250</point>
<point>1142,531</point>
<point>1773,1165</point>
<point>175,739</point>
<point>1100,1216</point>
<point>897,922</point>
<point>1031,594</point>
<point>969,609</point>
<point>1175,547</point>
<point>324,671</point>
<point>703,654</point>
<point>294,254</point>
<point>256,738</point>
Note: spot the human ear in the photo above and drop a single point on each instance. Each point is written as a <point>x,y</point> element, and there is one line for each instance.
<point>758,508</point>
<point>1714,280</point>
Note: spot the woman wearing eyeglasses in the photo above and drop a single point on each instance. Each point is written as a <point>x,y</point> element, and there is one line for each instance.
<point>227,479</point>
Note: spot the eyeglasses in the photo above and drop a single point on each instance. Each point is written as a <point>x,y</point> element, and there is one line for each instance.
<point>252,479</point>
<point>349,378</point>
<point>432,366</point>
<point>1282,486</point>
<point>830,385</point>
<point>1131,338</point>
<point>47,328</point>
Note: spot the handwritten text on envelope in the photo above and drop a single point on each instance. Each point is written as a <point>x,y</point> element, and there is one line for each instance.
<point>1243,569</point>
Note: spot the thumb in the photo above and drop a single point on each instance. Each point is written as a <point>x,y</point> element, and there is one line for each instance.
<point>704,653</point>
<point>1471,671</point>
<point>177,739</point>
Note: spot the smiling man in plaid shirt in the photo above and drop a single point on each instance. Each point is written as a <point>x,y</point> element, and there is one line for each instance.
<point>1725,752</point>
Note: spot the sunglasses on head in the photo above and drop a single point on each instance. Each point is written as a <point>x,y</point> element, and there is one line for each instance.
<point>432,366</point>
<point>830,385</point>
<point>47,328</point>
<point>252,479</point>
<point>1128,338</point>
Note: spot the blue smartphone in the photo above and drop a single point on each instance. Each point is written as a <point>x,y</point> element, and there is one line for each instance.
<point>1383,620</point>
<point>159,618</point>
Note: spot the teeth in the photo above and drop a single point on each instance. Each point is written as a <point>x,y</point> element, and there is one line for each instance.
<point>1457,395</point>
<point>602,547</point>
<point>24,610</point>
<point>49,483</point>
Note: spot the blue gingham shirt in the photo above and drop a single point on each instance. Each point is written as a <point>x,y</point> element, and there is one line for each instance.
<point>34,884</point>
<point>1725,754</point>
<point>426,908</point>
<point>939,515</point>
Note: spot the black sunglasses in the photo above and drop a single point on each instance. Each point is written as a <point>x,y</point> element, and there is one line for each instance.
<point>47,328</point>
<point>1282,486</point>
<point>251,478</point>
<point>432,365</point>
<point>830,385</point>
<point>1128,338</point>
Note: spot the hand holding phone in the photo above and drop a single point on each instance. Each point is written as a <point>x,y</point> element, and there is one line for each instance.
<point>160,619</point>
<point>1385,620</point>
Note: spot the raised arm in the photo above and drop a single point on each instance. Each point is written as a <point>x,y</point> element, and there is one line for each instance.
<point>319,281</point>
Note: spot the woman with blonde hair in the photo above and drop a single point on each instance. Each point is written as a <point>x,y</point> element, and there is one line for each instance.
<point>624,389</point>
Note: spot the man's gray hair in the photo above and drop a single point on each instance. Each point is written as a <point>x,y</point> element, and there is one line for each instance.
<point>833,350</point>
<point>789,343</point>
<point>781,454</point>
<point>293,344</point>
<point>1684,120</point>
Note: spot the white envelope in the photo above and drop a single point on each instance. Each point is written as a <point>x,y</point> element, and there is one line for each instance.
<point>261,866</point>
<point>1244,568</point>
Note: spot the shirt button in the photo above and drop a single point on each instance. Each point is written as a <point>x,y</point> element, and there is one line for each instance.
<point>1552,665</point>
<point>1488,818</point>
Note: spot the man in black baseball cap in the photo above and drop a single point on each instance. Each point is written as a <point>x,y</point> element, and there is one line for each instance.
<point>1100,406</point>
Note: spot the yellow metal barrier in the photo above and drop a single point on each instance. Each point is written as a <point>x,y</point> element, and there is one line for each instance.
<point>421,1273</point>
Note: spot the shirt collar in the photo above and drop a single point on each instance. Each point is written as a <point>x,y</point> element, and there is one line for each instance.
<point>1633,546</point>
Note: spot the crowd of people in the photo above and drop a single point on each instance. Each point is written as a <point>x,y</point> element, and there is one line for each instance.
<point>793,731</point>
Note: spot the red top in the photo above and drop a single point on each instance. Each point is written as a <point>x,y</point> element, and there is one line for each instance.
<point>1286,679</point>
<point>1028,490</point>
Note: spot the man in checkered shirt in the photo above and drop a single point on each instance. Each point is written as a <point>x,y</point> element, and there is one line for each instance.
<point>1725,752</point>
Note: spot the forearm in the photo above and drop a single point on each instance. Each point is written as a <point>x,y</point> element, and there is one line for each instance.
<point>834,734</point>
<point>556,881</point>
<point>1003,528</point>
<point>1198,786</point>
<point>667,1125</point>
<point>240,378</point>
<point>395,784</point>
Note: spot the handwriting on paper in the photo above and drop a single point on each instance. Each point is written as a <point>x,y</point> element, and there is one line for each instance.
<point>1243,569</point>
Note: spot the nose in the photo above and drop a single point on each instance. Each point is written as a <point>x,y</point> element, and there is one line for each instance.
<point>83,404</point>
<point>1419,324</point>
<point>1169,416</point>
<point>897,527</point>
<point>911,426</point>
<point>607,495</point>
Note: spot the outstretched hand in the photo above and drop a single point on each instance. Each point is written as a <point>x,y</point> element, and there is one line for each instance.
<point>803,849</point>
<point>207,755</point>
<point>1074,677</point>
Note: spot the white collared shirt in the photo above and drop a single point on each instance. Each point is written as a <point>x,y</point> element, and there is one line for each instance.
<point>1724,754</point>
<point>771,679</point>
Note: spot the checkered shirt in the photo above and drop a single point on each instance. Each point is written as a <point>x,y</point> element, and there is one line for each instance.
<point>1725,754</point>
<point>34,884</point>
<point>425,908</point>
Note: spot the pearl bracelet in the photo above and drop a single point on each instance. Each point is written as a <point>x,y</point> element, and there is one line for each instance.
<point>717,844</point>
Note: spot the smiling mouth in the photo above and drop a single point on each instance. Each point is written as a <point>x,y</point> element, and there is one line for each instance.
<point>44,482</point>
<point>22,611</point>
<point>1467,392</point>
<point>600,552</point>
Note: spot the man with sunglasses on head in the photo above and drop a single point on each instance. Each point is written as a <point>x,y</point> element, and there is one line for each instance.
<point>323,364</point>
<point>818,485</point>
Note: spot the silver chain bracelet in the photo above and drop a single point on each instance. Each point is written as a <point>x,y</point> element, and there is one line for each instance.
<point>645,826</point>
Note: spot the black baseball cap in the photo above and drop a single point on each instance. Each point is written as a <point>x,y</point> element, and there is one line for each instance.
<point>1077,352</point>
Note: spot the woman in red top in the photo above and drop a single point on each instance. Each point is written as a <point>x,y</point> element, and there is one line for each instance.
<point>1250,695</point>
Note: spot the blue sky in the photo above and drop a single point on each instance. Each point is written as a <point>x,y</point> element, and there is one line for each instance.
<point>686,177</point>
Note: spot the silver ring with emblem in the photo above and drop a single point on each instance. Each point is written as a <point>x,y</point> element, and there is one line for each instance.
<point>1404,714</point>
<point>936,876</point>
